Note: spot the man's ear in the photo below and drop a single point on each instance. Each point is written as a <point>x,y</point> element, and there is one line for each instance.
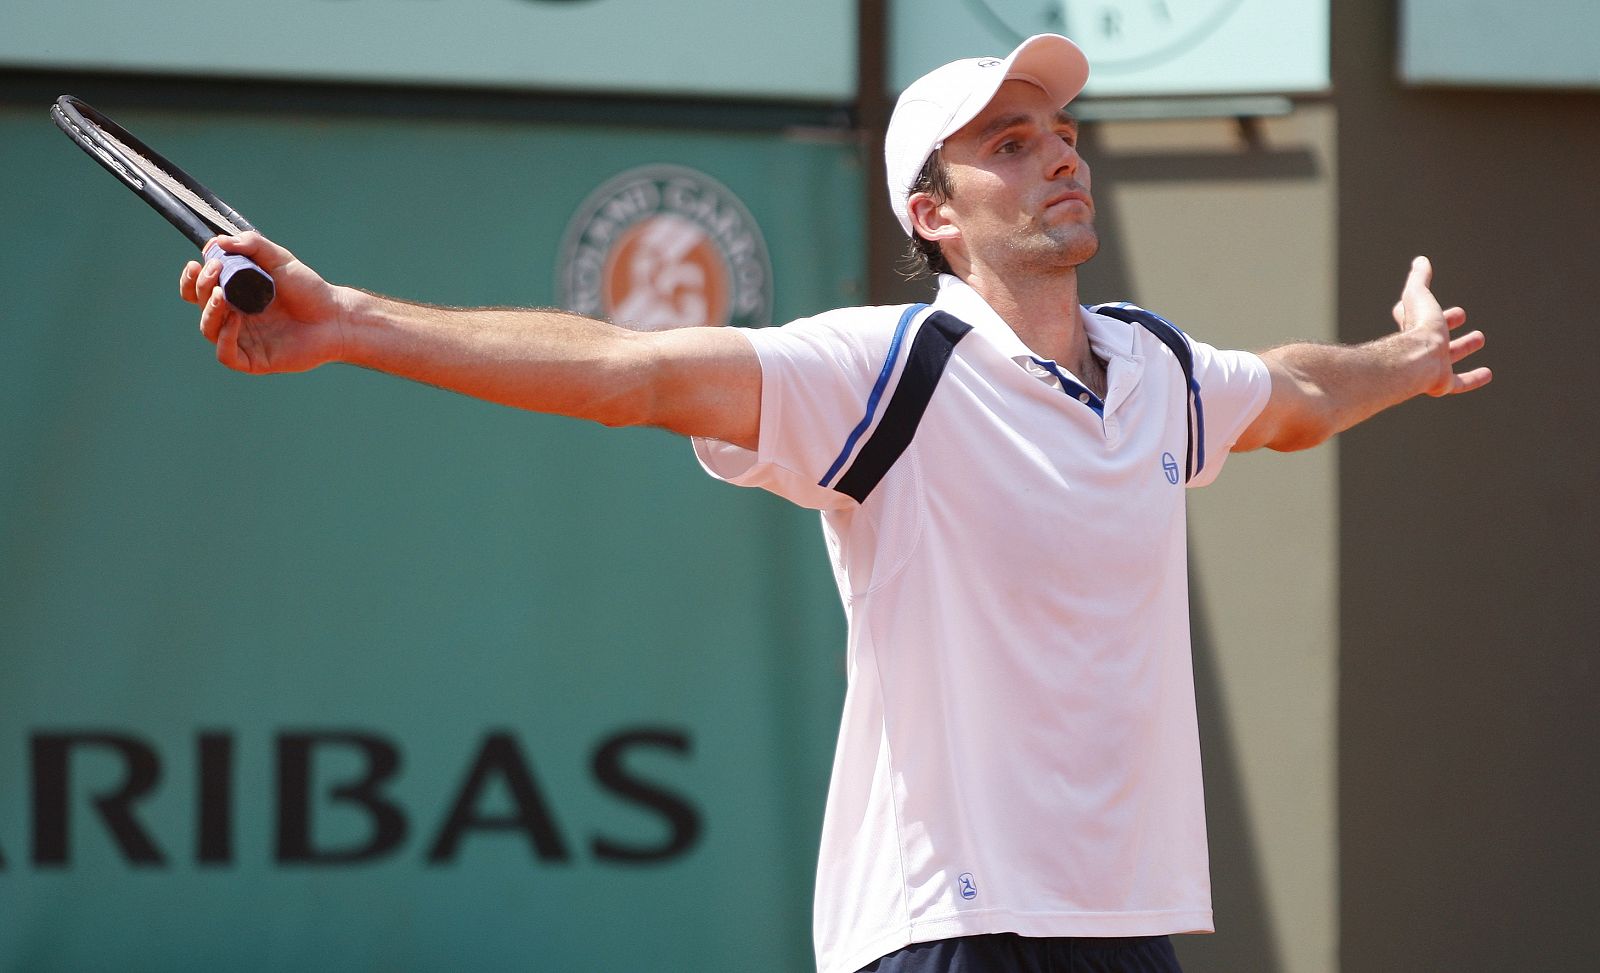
<point>929,218</point>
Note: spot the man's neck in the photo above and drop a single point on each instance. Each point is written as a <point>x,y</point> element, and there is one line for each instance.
<point>1042,310</point>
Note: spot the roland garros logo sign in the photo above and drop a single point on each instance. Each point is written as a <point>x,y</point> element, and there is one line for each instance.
<point>665,247</point>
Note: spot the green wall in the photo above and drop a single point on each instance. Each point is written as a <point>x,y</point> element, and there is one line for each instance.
<point>303,576</point>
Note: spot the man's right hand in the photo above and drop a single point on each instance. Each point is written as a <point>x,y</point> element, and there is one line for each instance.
<point>302,328</point>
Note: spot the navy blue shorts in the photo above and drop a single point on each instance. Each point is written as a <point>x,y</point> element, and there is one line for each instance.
<point>1010,953</point>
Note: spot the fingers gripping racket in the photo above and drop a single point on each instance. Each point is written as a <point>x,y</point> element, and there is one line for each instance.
<point>187,205</point>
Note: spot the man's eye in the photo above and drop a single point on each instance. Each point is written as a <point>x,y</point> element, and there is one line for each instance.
<point>1007,147</point>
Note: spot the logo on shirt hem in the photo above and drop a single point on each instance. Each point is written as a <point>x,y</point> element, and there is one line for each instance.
<point>969,888</point>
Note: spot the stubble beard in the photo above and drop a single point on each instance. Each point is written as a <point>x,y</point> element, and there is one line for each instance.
<point>1063,246</point>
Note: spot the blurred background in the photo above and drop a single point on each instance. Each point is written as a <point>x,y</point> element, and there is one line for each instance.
<point>329,671</point>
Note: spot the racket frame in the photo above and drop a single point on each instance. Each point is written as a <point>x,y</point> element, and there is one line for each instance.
<point>80,122</point>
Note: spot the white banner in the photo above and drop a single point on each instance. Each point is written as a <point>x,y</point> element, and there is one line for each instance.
<point>1135,47</point>
<point>743,48</point>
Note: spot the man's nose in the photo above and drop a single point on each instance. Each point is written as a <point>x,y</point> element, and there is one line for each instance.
<point>1062,158</point>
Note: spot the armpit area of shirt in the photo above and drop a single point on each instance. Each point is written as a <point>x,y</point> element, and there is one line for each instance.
<point>725,461</point>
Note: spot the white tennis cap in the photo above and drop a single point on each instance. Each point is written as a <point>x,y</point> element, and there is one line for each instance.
<point>940,102</point>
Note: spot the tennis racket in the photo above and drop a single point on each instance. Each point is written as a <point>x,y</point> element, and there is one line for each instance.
<point>192,208</point>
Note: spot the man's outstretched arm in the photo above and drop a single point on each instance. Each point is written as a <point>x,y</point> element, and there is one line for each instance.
<point>694,381</point>
<point>1321,390</point>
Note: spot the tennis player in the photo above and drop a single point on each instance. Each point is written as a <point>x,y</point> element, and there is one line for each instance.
<point>1000,475</point>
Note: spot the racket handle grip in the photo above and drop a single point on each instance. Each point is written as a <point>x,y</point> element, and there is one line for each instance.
<point>245,285</point>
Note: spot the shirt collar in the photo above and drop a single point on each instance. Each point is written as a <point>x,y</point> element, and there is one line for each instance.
<point>1108,337</point>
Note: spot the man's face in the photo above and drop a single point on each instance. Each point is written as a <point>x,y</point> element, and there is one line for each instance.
<point>1019,190</point>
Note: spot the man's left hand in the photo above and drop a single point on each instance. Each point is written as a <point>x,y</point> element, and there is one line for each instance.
<point>1418,312</point>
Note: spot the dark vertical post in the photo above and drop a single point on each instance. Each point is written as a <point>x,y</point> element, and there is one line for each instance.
<point>885,241</point>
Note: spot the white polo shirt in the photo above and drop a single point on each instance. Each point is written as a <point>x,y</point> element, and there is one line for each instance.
<point>1018,751</point>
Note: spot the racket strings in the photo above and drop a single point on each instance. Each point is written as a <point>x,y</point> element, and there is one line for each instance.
<point>201,208</point>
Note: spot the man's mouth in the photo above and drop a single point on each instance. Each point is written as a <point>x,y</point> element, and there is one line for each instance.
<point>1070,196</point>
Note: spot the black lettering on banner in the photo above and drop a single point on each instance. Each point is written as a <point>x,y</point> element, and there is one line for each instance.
<point>214,800</point>
<point>683,821</point>
<point>50,754</point>
<point>294,798</point>
<point>301,796</point>
<point>499,756</point>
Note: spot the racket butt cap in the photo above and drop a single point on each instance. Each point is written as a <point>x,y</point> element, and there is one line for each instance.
<point>245,285</point>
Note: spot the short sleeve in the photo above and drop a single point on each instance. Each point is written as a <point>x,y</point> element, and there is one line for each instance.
<point>817,375</point>
<point>1234,388</point>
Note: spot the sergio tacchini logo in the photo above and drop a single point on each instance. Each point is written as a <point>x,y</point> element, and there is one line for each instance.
<point>662,247</point>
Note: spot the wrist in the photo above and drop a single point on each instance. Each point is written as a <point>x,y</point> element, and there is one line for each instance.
<point>355,319</point>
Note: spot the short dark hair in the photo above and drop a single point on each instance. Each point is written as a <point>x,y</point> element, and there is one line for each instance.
<point>924,257</point>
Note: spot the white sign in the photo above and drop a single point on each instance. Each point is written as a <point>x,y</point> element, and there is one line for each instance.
<point>1553,44</point>
<point>1135,47</point>
<point>761,48</point>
